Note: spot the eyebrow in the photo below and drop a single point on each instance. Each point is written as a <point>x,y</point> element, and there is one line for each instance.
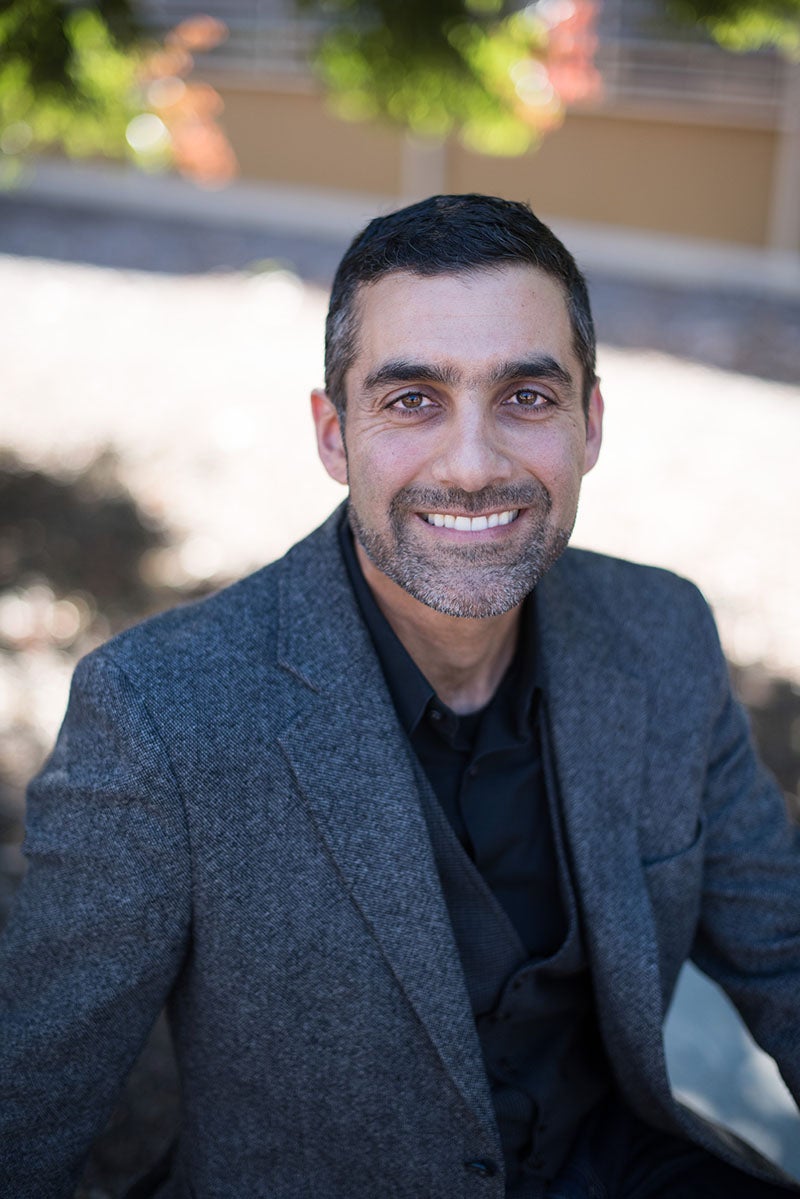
<point>542,366</point>
<point>402,370</point>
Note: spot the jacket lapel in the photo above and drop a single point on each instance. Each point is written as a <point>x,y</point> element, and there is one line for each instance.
<point>598,724</point>
<point>352,763</point>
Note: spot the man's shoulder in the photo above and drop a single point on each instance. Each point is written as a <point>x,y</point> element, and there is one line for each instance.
<point>621,580</point>
<point>239,622</point>
<point>600,615</point>
<point>653,609</point>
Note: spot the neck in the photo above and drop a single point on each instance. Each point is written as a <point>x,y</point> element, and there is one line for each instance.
<point>463,659</point>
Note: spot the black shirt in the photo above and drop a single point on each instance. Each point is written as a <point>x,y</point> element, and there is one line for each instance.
<point>485,768</point>
<point>527,977</point>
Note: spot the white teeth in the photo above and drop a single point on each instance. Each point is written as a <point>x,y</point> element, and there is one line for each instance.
<point>471,524</point>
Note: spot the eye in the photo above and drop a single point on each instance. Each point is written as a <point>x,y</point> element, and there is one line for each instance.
<point>529,397</point>
<point>411,401</point>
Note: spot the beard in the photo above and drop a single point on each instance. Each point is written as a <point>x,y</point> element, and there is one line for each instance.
<point>473,581</point>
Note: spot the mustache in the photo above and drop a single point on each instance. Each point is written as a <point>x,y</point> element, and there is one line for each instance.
<point>529,494</point>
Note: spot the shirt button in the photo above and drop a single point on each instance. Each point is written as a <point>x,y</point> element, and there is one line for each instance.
<point>435,714</point>
<point>482,1166</point>
<point>472,771</point>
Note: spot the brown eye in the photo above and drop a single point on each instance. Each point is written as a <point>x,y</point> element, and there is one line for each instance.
<point>412,401</point>
<point>529,398</point>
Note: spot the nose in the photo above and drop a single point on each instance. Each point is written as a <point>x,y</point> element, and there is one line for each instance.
<point>470,456</point>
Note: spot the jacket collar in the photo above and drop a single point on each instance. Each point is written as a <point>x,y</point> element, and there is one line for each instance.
<point>353,764</point>
<point>354,767</point>
<point>597,709</point>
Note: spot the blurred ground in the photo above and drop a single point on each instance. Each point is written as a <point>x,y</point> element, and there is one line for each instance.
<point>156,442</point>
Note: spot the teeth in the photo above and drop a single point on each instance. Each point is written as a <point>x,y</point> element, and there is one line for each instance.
<point>471,524</point>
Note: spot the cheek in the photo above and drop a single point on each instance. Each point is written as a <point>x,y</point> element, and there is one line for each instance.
<point>384,465</point>
<point>559,466</point>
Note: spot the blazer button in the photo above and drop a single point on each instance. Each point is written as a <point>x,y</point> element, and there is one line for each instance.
<point>482,1166</point>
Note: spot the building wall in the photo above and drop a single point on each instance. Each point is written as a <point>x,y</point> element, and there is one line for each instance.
<point>292,137</point>
<point>667,175</point>
<point>697,176</point>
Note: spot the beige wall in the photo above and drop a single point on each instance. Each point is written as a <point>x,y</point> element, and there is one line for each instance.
<point>688,179</point>
<point>291,137</point>
<point>694,178</point>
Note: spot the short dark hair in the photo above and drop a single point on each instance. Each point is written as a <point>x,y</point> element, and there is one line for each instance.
<point>450,235</point>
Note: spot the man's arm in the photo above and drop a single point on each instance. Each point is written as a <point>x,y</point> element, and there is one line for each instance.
<point>97,934</point>
<point>749,934</point>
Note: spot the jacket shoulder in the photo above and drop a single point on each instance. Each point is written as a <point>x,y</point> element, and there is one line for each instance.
<point>618,579</point>
<point>201,630</point>
<point>646,606</point>
<point>233,633</point>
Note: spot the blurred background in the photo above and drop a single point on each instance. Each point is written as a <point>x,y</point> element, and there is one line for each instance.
<point>178,186</point>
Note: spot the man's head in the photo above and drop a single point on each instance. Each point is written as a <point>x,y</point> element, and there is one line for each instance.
<point>461,344</point>
<point>448,235</point>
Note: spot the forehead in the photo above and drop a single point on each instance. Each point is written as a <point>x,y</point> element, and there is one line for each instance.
<point>469,318</point>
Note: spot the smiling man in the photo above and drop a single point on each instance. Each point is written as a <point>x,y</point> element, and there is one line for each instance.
<point>413,829</point>
<point>469,426</point>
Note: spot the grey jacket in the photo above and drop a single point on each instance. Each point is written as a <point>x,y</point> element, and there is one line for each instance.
<point>230,823</point>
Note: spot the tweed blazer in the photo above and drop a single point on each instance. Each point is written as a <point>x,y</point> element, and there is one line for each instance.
<point>230,824</point>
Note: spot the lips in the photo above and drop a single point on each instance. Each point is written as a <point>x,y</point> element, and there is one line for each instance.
<point>470,524</point>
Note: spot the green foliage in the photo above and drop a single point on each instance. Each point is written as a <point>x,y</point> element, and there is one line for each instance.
<point>744,24</point>
<point>68,77</point>
<point>433,66</point>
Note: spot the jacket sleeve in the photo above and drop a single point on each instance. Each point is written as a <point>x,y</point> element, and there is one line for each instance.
<point>97,934</point>
<point>749,934</point>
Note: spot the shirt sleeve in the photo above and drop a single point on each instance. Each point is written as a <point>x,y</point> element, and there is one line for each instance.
<point>748,939</point>
<point>97,934</point>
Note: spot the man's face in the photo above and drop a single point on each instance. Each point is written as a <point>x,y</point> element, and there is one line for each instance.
<point>466,439</point>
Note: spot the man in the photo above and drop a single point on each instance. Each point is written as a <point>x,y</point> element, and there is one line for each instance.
<point>414,829</point>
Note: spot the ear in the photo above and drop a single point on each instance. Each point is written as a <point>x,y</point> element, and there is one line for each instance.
<point>594,428</point>
<point>330,442</point>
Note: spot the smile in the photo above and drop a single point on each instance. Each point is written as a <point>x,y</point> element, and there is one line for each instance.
<point>470,524</point>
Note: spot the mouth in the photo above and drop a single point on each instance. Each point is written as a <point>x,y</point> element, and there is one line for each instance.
<point>470,524</point>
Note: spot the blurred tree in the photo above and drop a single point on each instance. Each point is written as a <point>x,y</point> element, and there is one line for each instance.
<point>744,24</point>
<point>497,74</point>
<point>83,77</point>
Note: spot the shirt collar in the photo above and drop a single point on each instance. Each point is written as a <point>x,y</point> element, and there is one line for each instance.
<point>410,691</point>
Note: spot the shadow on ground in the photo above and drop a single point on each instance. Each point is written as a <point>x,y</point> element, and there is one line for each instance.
<point>73,555</point>
<point>750,334</point>
<point>33,228</point>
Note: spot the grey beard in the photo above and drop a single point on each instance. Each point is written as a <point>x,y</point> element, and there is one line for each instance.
<point>466,581</point>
